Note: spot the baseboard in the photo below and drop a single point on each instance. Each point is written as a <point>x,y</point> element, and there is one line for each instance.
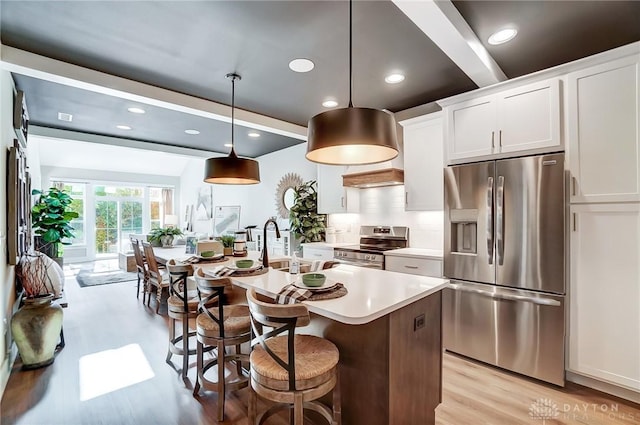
<point>605,387</point>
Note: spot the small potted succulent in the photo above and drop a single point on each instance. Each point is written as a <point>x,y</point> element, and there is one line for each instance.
<point>164,236</point>
<point>227,242</point>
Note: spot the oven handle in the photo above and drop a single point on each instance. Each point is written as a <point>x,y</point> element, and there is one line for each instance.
<point>359,264</point>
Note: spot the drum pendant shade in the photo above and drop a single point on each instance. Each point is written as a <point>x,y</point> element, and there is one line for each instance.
<point>352,136</point>
<point>231,169</point>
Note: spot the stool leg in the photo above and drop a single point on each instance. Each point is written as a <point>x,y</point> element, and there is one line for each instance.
<point>337,402</point>
<point>221,381</point>
<point>199,361</point>
<point>298,409</point>
<point>138,290</point>
<point>158,297</point>
<point>253,400</point>
<point>238,362</point>
<point>172,336</point>
<point>185,346</point>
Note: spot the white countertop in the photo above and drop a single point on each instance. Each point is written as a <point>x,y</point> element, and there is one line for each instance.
<point>415,253</point>
<point>372,293</point>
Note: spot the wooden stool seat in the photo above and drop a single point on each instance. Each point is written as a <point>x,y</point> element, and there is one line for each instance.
<point>176,304</point>
<point>316,360</point>
<point>236,322</point>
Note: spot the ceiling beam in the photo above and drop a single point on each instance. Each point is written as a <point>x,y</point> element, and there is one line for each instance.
<point>446,27</point>
<point>44,68</point>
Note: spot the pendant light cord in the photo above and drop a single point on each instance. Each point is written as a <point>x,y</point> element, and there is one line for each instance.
<point>233,103</point>
<point>350,52</point>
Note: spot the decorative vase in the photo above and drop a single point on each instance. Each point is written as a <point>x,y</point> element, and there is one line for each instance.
<point>36,329</point>
<point>166,241</point>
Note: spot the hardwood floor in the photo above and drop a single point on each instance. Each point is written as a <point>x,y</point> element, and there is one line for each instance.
<point>108,325</point>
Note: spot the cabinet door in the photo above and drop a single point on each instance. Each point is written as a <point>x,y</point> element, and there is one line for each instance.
<point>423,165</point>
<point>604,326</point>
<point>332,197</point>
<point>529,117</point>
<point>471,128</point>
<point>604,144</point>
<point>412,265</point>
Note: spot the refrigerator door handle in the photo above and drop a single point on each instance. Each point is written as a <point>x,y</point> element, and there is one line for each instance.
<point>500,221</point>
<point>490,220</point>
<point>496,296</point>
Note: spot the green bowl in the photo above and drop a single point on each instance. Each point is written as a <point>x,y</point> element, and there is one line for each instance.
<point>244,264</point>
<point>207,254</point>
<point>313,280</point>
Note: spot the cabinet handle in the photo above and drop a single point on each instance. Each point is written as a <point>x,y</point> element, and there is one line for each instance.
<point>500,139</point>
<point>406,198</point>
<point>342,201</point>
<point>575,224</point>
<point>493,143</point>
<point>317,255</point>
<point>410,267</point>
<point>573,186</point>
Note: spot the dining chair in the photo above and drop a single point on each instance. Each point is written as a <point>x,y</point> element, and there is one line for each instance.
<point>220,325</point>
<point>141,268</point>
<point>182,306</point>
<point>155,276</point>
<point>293,370</point>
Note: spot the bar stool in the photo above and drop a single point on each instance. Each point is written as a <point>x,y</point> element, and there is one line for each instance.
<point>182,305</point>
<point>233,330</point>
<point>154,276</point>
<point>293,370</point>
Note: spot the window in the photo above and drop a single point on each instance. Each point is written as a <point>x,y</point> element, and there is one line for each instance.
<point>77,192</point>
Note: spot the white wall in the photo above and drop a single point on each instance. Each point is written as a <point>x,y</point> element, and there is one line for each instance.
<point>257,202</point>
<point>385,206</point>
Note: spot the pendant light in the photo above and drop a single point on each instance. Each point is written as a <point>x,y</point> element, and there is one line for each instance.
<point>351,136</point>
<point>231,169</point>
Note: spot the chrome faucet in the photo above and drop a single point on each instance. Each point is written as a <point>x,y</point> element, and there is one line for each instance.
<point>265,255</point>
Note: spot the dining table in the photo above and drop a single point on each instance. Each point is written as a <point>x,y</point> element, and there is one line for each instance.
<point>387,328</point>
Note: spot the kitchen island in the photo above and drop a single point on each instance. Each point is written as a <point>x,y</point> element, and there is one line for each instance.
<point>388,331</point>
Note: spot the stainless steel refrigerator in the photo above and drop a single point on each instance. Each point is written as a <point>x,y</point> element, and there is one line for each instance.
<point>504,253</point>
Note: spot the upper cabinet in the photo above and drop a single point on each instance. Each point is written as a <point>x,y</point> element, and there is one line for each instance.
<point>423,163</point>
<point>523,119</point>
<point>332,196</point>
<point>603,139</point>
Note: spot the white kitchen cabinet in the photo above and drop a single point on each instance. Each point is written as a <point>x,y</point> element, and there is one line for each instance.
<point>521,119</point>
<point>332,196</point>
<point>413,265</point>
<point>283,246</point>
<point>603,137</point>
<point>311,252</point>
<point>604,293</point>
<point>423,163</point>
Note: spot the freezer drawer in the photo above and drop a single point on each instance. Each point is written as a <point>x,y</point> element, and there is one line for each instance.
<point>522,331</point>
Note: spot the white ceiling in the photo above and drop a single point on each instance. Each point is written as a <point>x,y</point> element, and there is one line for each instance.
<point>94,156</point>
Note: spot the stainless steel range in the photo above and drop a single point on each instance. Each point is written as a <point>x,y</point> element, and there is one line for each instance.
<point>374,240</point>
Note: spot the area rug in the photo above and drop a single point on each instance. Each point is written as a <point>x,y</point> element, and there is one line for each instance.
<point>85,278</point>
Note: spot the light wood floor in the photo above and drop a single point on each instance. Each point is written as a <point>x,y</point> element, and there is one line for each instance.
<point>104,319</point>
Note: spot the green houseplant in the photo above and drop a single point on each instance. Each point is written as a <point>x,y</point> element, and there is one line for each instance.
<point>164,235</point>
<point>51,218</point>
<point>227,242</point>
<point>305,222</point>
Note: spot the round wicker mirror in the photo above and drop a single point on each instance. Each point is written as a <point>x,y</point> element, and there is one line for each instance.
<point>285,192</point>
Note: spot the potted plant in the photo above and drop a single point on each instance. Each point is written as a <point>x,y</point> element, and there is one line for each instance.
<point>51,217</point>
<point>305,222</point>
<point>36,325</point>
<point>164,235</point>
<point>227,242</point>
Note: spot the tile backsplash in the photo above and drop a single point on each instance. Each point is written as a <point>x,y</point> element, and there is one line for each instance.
<point>385,206</point>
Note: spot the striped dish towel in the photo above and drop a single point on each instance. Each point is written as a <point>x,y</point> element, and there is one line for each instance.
<point>223,271</point>
<point>291,294</point>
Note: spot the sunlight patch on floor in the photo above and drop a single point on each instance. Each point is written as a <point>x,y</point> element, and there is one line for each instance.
<point>112,370</point>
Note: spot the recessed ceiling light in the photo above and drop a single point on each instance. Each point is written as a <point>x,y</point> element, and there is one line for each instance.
<point>253,134</point>
<point>123,127</point>
<point>329,103</point>
<point>394,78</point>
<point>136,110</point>
<point>301,65</point>
<point>190,131</point>
<point>62,116</point>
<point>502,36</point>
<point>227,145</point>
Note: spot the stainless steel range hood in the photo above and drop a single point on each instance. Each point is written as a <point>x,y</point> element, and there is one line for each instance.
<point>374,178</point>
